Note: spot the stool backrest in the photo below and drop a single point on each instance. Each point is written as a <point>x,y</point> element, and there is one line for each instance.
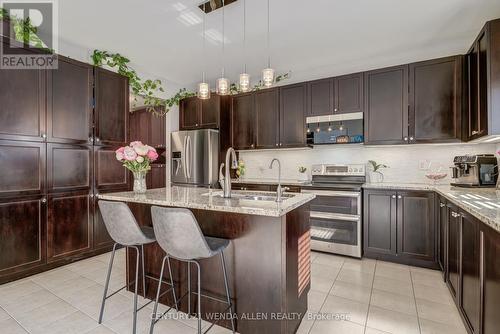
<point>178,233</point>
<point>121,223</point>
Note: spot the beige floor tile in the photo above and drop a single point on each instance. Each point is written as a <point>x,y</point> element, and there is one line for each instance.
<point>369,330</point>
<point>363,265</point>
<point>324,271</point>
<point>321,284</point>
<point>354,292</point>
<point>315,300</point>
<point>174,315</point>
<point>172,326</point>
<point>393,286</point>
<point>393,302</point>
<point>397,273</point>
<point>29,302</point>
<point>439,295</point>
<point>429,279</point>
<point>355,277</point>
<point>345,309</point>
<point>329,260</point>
<point>391,321</point>
<point>113,307</point>
<point>10,326</point>
<point>75,323</point>
<point>438,312</point>
<point>336,327</point>
<point>431,327</point>
<point>11,292</point>
<point>314,255</point>
<point>393,265</point>
<point>3,315</point>
<point>85,266</point>
<point>101,329</point>
<point>72,287</point>
<point>54,278</point>
<point>83,296</point>
<point>122,324</point>
<point>45,314</point>
<point>307,323</point>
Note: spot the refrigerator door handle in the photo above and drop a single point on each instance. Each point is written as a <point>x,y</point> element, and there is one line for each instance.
<point>184,158</point>
<point>188,156</point>
<point>209,158</point>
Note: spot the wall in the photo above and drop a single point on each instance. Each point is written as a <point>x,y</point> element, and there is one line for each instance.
<point>403,160</point>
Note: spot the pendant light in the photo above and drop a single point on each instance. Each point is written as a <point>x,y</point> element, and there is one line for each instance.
<point>222,85</point>
<point>268,73</point>
<point>244,77</point>
<point>203,86</point>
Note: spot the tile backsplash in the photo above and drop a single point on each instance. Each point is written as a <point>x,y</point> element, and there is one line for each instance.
<point>405,161</point>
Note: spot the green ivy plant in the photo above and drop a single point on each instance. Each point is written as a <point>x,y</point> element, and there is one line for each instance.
<point>24,31</point>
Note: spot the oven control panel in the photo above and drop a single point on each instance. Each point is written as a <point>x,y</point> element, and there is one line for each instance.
<point>335,169</point>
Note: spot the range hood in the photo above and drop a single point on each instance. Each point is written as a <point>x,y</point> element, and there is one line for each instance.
<point>335,118</point>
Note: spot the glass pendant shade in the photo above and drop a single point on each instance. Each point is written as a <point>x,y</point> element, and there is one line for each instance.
<point>268,77</point>
<point>244,82</point>
<point>222,87</point>
<point>203,91</point>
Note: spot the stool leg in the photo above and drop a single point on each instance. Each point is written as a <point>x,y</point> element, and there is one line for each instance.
<point>227,288</point>
<point>153,318</point>
<point>134,328</point>
<point>143,273</point>
<point>189,288</point>
<point>106,286</point>
<point>172,283</point>
<point>199,296</point>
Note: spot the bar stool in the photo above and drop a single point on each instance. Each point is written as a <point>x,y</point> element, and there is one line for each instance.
<point>179,235</point>
<point>124,230</point>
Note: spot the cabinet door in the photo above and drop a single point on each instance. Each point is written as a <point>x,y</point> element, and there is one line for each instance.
<point>109,172</point>
<point>209,113</point>
<point>69,225</point>
<point>321,97</point>
<point>69,102</point>
<point>416,227</point>
<point>435,100</point>
<point>243,122</point>
<point>158,137</point>
<point>470,273</point>
<point>293,106</point>
<point>22,231</point>
<point>267,118</point>
<point>380,212</point>
<point>189,113</point>
<point>156,178</point>
<point>442,228</point>
<point>453,252</point>
<point>386,106</point>
<point>491,286</point>
<point>349,93</point>
<point>101,238</point>
<point>111,108</point>
<point>22,101</point>
<point>69,167</point>
<point>22,166</point>
<point>140,126</point>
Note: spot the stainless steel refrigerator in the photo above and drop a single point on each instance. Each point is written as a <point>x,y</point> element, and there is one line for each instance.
<point>195,157</point>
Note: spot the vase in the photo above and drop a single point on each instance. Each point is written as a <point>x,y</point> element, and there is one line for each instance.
<point>376,177</point>
<point>140,182</point>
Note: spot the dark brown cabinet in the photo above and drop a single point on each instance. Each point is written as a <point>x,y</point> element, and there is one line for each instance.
<point>491,279</point>
<point>442,231</point>
<point>321,97</point>
<point>386,106</point>
<point>109,172</point>
<point>453,251</point>
<point>101,238</point>
<point>195,113</point>
<point>189,111</point>
<point>435,100</point>
<point>111,94</point>
<point>400,226</point>
<point>69,102</point>
<point>243,121</point>
<point>293,99</point>
<point>69,168</point>
<point>156,178</point>
<point>267,118</point>
<point>148,128</point>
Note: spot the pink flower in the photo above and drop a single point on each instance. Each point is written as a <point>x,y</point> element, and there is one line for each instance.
<point>152,155</point>
<point>139,159</point>
<point>129,153</point>
<point>141,149</point>
<point>119,154</point>
<point>136,143</point>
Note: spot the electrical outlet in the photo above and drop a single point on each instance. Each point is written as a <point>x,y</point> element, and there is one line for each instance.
<point>424,165</point>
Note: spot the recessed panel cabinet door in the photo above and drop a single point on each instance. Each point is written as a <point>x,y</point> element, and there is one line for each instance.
<point>267,118</point>
<point>380,209</point>
<point>69,225</point>
<point>416,227</point>
<point>386,106</point>
<point>443,225</point>
<point>156,178</point>
<point>321,100</point>
<point>109,172</point>
<point>22,166</point>
<point>158,137</point>
<point>349,93</point>
<point>209,112</point>
<point>453,251</point>
<point>22,234</point>
<point>101,237</point>
<point>111,107</point>
<point>69,102</point>
<point>189,113</point>
<point>69,167</point>
<point>491,286</point>
<point>293,106</point>
<point>243,121</point>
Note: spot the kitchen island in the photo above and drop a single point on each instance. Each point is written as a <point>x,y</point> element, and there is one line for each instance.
<point>268,259</point>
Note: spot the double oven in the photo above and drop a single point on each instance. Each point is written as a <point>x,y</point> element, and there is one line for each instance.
<point>336,212</point>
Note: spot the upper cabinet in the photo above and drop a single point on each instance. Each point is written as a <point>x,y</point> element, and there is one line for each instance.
<point>267,118</point>
<point>148,128</point>
<point>242,121</point>
<point>201,114</point>
<point>483,84</point>
<point>111,108</point>
<point>293,104</point>
<point>435,100</point>
<point>386,106</point>
<point>321,98</point>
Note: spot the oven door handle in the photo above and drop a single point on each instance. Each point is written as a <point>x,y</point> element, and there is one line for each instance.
<point>332,193</point>
<point>338,216</point>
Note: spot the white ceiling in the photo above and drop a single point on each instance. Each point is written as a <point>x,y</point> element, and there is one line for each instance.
<point>312,38</point>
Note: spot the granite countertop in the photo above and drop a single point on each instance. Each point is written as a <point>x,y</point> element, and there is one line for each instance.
<point>211,199</point>
<point>291,182</point>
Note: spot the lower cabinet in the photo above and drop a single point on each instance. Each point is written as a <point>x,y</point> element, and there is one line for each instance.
<point>101,238</point>
<point>442,223</point>
<point>399,226</point>
<point>157,177</point>
<point>491,280</point>
<point>453,250</point>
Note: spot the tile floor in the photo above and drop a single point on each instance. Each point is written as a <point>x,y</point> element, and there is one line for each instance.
<point>347,296</point>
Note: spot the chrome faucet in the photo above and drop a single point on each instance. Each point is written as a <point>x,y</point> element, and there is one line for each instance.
<point>227,176</point>
<point>279,190</point>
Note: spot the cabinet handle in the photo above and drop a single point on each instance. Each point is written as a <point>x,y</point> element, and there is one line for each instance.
<point>411,138</point>
<point>393,196</point>
<point>44,136</point>
<point>196,124</point>
<point>91,139</point>
<point>91,195</point>
<point>474,132</point>
<point>335,109</point>
<point>252,146</point>
<point>399,196</point>
<point>97,139</point>
<point>281,144</point>
<point>277,144</point>
<point>441,205</point>
<point>406,138</point>
<point>44,200</point>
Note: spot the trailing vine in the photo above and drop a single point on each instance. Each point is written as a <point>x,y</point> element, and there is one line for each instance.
<point>24,31</point>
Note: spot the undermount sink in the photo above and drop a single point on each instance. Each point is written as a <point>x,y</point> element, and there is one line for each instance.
<point>252,197</point>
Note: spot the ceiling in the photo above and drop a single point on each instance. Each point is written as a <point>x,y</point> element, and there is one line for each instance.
<point>311,38</point>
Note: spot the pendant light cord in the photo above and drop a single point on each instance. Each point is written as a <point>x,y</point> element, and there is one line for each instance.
<point>223,36</point>
<point>268,36</point>
<point>204,15</point>
<point>245,34</point>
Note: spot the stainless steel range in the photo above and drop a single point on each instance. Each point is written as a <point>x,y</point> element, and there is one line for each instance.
<point>336,211</point>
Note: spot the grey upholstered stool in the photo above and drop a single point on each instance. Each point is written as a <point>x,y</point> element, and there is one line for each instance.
<point>124,230</point>
<point>180,236</point>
